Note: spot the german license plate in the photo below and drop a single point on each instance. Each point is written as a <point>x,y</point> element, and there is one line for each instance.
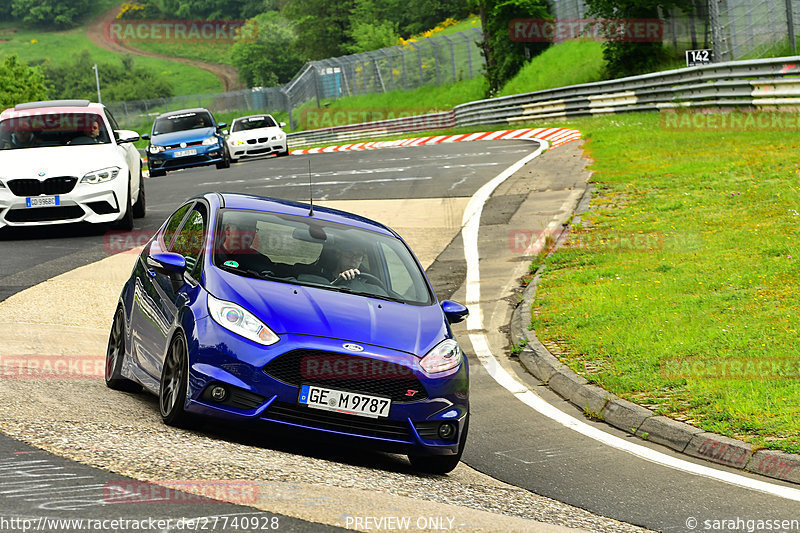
<point>183,153</point>
<point>344,402</point>
<point>43,201</point>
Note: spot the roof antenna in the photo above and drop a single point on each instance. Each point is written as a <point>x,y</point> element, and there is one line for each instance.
<point>310,190</point>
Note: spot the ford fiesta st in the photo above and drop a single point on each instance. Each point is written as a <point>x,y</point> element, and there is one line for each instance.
<point>256,309</point>
<point>68,161</point>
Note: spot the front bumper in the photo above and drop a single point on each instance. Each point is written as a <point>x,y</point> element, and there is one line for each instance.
<point>258,149</point>
<point>94,203</point>
<point>223,358</point>
<point>204,155</point>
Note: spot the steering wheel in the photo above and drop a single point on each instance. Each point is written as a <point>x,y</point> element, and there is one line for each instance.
<point>368,278</point>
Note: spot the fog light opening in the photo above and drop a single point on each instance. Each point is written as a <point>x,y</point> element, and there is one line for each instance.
<point>447,431</point>
<point>219,393</point>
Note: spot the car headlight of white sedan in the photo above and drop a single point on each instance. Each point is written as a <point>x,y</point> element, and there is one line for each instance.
<point>101,176</point>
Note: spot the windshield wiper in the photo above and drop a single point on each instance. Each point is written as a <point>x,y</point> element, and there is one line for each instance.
<point>245,271</point>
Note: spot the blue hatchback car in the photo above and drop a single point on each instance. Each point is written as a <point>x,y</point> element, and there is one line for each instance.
<point>186,138</point>
<point>257,309</point>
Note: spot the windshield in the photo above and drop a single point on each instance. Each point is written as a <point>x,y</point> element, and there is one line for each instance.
<point>182,122</point>
<point>301,251</point>
<point>253,123</point>
<point>52,129</point>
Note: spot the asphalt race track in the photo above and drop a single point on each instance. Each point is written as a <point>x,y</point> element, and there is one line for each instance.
<point>508,440</point>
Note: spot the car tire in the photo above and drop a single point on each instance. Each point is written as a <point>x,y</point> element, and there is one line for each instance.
<point>174,383</point>
<point>158,173</point>
<point>284,153</point>
<point>140,207</point>
<point>226,160</point>
<point>441,464</point>
<point>115,353</point>
<point>126,222</point>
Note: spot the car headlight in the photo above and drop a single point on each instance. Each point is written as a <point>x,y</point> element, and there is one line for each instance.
<point>237,143</point>
<point>210,141</point>
<point>101,176</point>
<point>239,320</point>
<point>445,356</point>
<point>155,149</point>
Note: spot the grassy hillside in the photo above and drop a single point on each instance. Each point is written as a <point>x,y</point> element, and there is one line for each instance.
<point>547,70</point>
<point>37,45</point>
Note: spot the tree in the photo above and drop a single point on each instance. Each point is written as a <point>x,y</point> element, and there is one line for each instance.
<point>322,27</point>
<point>505,57</point>
<point>53,13</point>
<point>123,81</point>
<point>20,83</point>
<point>624,57</point>
<point>270,59</point>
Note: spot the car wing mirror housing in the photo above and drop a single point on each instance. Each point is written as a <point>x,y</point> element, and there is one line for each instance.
<point>126,136</point>
<point>167,262</point>
<point>454,311</point>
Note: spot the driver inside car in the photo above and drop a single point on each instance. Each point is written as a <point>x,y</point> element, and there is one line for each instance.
<point>238,247</point>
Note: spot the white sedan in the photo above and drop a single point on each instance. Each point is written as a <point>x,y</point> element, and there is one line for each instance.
<point>68,161</point>
<point>256,136</point>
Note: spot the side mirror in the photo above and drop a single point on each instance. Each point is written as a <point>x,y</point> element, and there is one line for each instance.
<point>224,132</point>
<point>126,136</point>
<point>167,263</point>
<point>283,124</point>
<point>222,125</point>
<point>454,311</point>
<point>146,137</point>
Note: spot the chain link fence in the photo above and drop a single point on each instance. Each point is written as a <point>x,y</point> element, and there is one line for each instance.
<point>735,29</point>
<point>433,61</point>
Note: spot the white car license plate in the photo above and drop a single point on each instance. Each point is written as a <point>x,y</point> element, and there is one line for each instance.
<point>344,402</point>
<point>183,153</point>
<point>43,201</point>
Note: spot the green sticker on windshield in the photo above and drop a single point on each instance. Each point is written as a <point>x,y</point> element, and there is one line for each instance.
<point>233,264</point>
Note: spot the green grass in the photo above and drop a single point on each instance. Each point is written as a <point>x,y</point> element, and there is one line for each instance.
<point>547,70</point>
<point>210,52</point>
<point>688,254</point>
<point>33,45</point>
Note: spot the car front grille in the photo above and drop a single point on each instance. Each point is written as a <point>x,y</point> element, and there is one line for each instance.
<point>44,214</point>
<point>347,372</point>
<point>354,425</point>
<point>50,186</point>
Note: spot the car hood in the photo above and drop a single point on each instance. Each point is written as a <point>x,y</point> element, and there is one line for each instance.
<point>289,308</point>
<point>184,136</point>
<point>59,161</point>
<point>260,132</point>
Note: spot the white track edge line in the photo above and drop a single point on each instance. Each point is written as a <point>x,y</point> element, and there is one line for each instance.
<point>470,226</point>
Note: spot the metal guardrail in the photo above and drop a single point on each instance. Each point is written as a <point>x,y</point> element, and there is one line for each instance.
<point>756,84</point>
